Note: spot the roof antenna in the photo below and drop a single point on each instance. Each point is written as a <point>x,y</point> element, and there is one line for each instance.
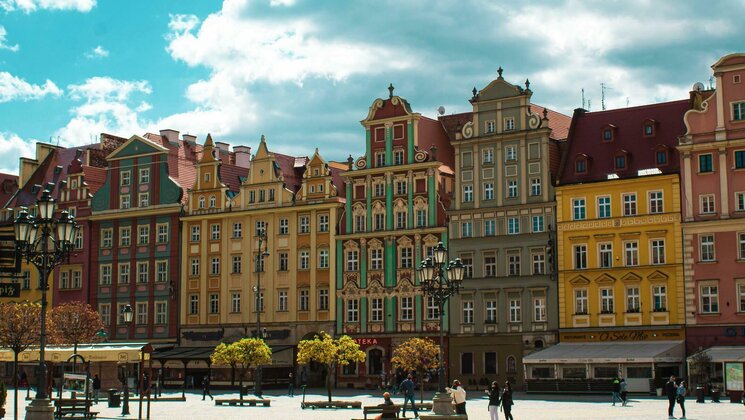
<point>583,98</point>
<point>602,96</point>
<point>589,105</point>
<point>627,102</point>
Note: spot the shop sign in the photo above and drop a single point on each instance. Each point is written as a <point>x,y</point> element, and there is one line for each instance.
<point>622,335</point>
<point>10,290</point>
<point>366,341</point>
<point>734,376</point>
<point>732,332</point>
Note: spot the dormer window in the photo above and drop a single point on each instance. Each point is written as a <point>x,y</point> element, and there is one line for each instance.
<point>608,132</point>
<point>207,177</point>
<point>580,165</point>
<point>648,127</point>
<point>315,172</point>
<point>661,156</point>
<point>620,161</point>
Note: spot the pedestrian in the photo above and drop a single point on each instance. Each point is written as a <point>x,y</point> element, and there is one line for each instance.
<point>206,387</point>
<point>624,392</point>
<point>494,400</point>
<point>145,385</point>
<point>682,397</point>
<point>507,401</point>
<point>291,385</point>
<point>459,397</point>
<point>96,387</point>
<point>387,402</point>
<point>616,394</point>
<point>407,388</point>
<point>382,380</point>
<point>671,391</point>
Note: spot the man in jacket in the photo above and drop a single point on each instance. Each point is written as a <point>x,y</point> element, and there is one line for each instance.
<point>407,388</point>
<point>671,391</point>
<point>616,391</point>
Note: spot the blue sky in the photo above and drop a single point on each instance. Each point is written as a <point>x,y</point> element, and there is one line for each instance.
<point>305,72</point>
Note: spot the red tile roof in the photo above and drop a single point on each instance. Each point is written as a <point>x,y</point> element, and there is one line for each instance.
<point>586,133</point>
<point>231,176</point>
<point>182,159</point>
<point>292,169</point>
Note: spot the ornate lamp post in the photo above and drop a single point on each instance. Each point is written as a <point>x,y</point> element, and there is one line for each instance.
<point>440,280</point>
<point>127,314</point>
<point>260,333</point>
<point>46,243</point>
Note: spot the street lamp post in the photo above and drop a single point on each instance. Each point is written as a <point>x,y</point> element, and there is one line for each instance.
<point>46,243</point>
<point>440,280</point>
<point>260,333</point>
<point>127,314</point>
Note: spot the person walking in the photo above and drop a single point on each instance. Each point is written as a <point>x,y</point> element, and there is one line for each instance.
<point>616,394</point>
<point>624,392</point>
<point>407,388</point>
<point>671,391</point>
<point>507,401</point>
<point>459,397</point>
<point>681,392</point>
<point>494,400</point>
<point>291,385</point>
<point>206,387</point>
<point>96,387</point>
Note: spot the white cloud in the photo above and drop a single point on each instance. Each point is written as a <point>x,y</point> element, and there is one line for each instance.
<point>3,42</point>
<point>29,6</point>
<point>14,88</point>
<point>98,52</point>
<point>108,105</point>
<point>12,145</point>
<point>275,3</point>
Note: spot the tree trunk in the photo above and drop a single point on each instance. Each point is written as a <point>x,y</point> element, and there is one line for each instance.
<point>240,380</point>
<point>328,379</point>
<point>421,386</point>
<point>15,385</point>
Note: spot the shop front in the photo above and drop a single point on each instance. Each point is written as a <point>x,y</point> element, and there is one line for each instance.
<point>719,367</point>
<point>476,361</point>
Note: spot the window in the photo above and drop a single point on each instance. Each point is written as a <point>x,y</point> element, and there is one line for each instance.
<point>379,221</point>
<point>214,266</point>
<point>193,304</point>
<point>162,233</point>
<point>655,202</point>
<point>126,178</point>
<point>236,264</point>
<point>400,220</point>
<point>400,187</point>
<point>738,111</point>
<point>709,299</point>
<point>124,201</point>
<point>658,251</point>
<point>661,157</point>
<point>376,310</point>
<point>161,312</point>
<point>215,232</point>
<point>490,363</point>
<point>379,189</point>
<point>490,306</point>
<point>659,298</point>
<point>490,227</point>
<point>604,209</point>
<point>629,204</point>
<point>509,124</point>
<point>513,225</point>
<point>235,302</point>
<point>161,271</point>
<point>433,310</point>
<point>466,363</point>
<point>606,301</point>
<point>282,302</point>
<point>421,218</point>
<point>64,279</point>
<point>284,226</point>
<point>539,309</point>
<point>142,272</point>
<point>260,228</point>
<point>194,264</point>
<point>490,127</point>
<point>323,299</point>
<point>323,258</point>
<point>619,162</point>
<point>488,191</point>
<point>580,166</point>
<point>580,257</point>
<point>707,204</point>
<point>201,202</point>
<point>323,223</point>
<point>511,188</point>
<point>260,299</point>
<point>513,264</point>
<point>487,155</point>
<point>237,230</point>
<point>705,163</point>
<point>144,199</point>
<point>143,236</point>
<point>407,308</point>
<point>304,302</point>
<point>77,280</point>
<point>535,187</point>
<point>376,259</point>
<point>195,233</point>
<point>580,301</point>
<point>214,303</point>
<point>304,224</point>
<point>490,266</point>
<point>262,194</point>
<point>466,229</point>
<point>406,257</point>
<point>141,313</point>
<point>631,253</point>
<point>537,224</point>
<point>706,247</point>
<point>78,242</point>
<point>467,306</point>
<point>360,221</point>
<point>304,259</point>
<point>514,308</point>
<point>467,193</point>
<point>398,157</point>
<point>632,299</point>
<point>648,129</point>
<point>539,263</point>
<point>741,245</point>
<point>741,297</point>
<point>606,255</point>
<point>105,275</point>
<point>104,310</point>
<point>379,160</point>
<point>511,365</point>
<point>353,310</point>
<point>740,159</point>
<point>352,260</point>
<point>144,175</point>
<point>467,262</point>
<point>579,212</point>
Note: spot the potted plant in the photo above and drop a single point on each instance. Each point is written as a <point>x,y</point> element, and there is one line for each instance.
<point>3,398</point>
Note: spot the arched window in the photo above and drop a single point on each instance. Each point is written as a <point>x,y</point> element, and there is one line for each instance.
<point>538,344</point>
<point>201,202</point>
<point>375,362</point>
<point>511,364</point>
<point>213,202</point>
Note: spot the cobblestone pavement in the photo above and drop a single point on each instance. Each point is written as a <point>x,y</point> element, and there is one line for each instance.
<point>532,407</point>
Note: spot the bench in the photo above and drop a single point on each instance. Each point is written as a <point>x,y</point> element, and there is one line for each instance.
<point>243,402</point>
<point>384,409</point>
<point>73,409</point>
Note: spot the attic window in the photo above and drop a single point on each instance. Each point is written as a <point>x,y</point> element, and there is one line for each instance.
<point>620,161</point>
<point>580,165</point>
<point>661,156</point>
<point>648,129</point>
<point>207,177</point>
<point>607,134</point>
<point>315,172</point>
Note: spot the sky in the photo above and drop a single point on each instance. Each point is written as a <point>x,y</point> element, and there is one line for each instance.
<point>305,72</point>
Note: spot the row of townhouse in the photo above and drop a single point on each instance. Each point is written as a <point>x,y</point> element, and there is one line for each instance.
<point>594,245</point>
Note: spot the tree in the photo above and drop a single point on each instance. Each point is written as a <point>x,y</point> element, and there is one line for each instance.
<point>19,330</point>
<point>418,355</point>
<point>700,368</point>
<point>329,352</point>
<point>74,323</point>
<point>244,353</point>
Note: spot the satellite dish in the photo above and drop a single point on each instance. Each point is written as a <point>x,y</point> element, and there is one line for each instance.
<point>698,86</point>
<point>441,109</point>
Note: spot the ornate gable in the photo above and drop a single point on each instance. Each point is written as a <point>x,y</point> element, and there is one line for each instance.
<point>136,146</point>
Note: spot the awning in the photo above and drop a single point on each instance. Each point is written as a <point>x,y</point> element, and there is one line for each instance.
<point>615,352</point>
<point>198,353</point>
<point>722,354</point>
<point>99,352</point>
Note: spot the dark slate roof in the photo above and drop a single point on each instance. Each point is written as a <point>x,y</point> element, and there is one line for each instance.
<point>8,187</point>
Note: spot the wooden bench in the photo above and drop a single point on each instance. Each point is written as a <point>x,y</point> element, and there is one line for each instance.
<point>70,409</point>
<point>333,404</point>
<point>381,409</point>
<point>243,402</point>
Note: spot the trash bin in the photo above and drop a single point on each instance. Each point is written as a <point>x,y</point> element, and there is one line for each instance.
<point>715,394</point>
<point>114,398</point>
<point>700,394</point>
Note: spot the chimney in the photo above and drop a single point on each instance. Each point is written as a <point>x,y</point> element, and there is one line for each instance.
<point>171,135</point>
<point>189,138</point>
<point>223,151</point>
<point>242,156</point>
